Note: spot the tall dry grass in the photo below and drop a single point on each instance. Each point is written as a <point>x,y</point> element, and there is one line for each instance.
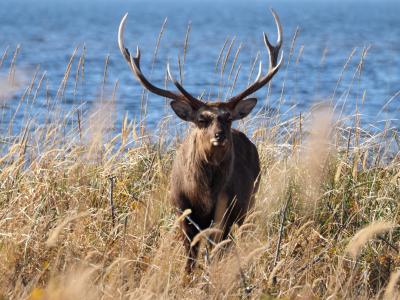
<point>84,210</point>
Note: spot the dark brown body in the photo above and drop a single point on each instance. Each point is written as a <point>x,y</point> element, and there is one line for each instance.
<point>216,170</point>
<point>220,193</point>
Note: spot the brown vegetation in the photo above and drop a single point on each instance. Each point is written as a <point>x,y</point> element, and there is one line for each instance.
<point>91,218</point>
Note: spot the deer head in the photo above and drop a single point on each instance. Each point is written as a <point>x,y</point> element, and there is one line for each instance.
<point>213,120</point>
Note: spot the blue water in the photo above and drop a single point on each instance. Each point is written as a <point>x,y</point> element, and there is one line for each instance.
<point>49,31</point>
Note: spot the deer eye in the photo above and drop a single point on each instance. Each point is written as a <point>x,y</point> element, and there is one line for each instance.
<point>204,121</point>
<point>226,117</point>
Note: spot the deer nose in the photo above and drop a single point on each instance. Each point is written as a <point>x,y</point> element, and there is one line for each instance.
<point>220,136</point>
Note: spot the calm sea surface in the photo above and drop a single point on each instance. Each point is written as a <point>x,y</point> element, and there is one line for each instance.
<point>329,31</point>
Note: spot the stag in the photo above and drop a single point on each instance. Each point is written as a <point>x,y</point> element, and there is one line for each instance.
<point>216,170</point>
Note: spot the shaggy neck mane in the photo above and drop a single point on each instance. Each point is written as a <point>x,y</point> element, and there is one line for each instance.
<point>205,176</point>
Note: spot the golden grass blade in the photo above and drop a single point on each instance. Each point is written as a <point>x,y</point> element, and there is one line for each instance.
<point>53,237</point>
<point>364,235</point>
<point>205,234</point>
<point>392,290</point>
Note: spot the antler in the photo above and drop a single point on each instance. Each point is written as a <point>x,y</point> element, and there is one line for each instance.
<point>134,63</point>
<point>273,52</point>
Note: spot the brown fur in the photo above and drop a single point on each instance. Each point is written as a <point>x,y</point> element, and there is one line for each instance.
<point>216,183</point>
<point>216,169</point>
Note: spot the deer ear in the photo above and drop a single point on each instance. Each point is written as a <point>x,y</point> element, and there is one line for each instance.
<point>183,110</point>
<point>243,108</point>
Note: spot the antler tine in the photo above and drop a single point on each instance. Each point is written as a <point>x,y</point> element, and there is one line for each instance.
<point>121,29</point>
<point>259,71</point>
<point>274,51</point>
<point>134,63</point>
<point>274,64</point>
<point>195,102</point>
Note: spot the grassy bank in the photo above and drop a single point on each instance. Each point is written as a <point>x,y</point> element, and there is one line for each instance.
<point>85,211</point>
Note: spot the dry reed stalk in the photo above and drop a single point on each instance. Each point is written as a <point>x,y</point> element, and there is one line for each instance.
<point>273,275</point>
<point>145,95</point>
<point>392,290</point>
<point>224,62</point>
<point>11,73</point>
<point>221,52</point>
<point>104,81</point>
<point>235,81</point>
<point>64,81</point>
<point>228,52</point>
<point>253,67</point>
<point>205,234</point>
<point>390,100</point>
<point>357,74</point>
<point>79,71</point>
<point>185,47</point>
<point>283,215</point>
<point>4,56</point>
<point>296,74</point>
<point>235,58</point>
<point>30,88</point>
<point>364,235</point>
<point>111,199</point>
<point>53,236</point>
<point>345,66</point>
<point>291,51</point>
<point>182,217</point>
<point>220,246</point>
<point>20,102</point>
<point>158,43</point>
<point>38,87</point>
